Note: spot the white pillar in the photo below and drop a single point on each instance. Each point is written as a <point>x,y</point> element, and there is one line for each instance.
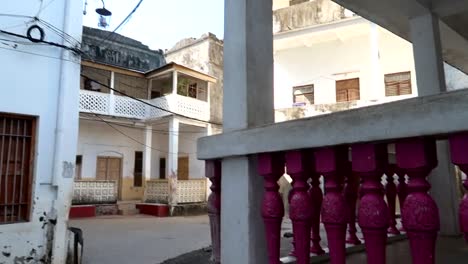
<point>377,88</point>
<point>248,102</point>
<point>172,158</point>
<point>430,78</point>
<point>147,152</point>
<point>175,80</point>
<point>112,96</point>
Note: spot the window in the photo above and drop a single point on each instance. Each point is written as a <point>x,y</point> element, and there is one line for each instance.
<point>17,137</point>
<point>78,164</point>
<point>192,90</point>
<point>347,90</point>
<point>398,84</point>
<point>303,95</point>
<point>162,168</point>
<point>138,170</point>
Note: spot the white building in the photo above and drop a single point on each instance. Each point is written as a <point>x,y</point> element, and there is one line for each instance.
<point>38,128</point>
<point>139,122</point>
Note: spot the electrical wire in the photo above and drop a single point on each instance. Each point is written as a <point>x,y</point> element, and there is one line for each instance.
<point>146,103</point>
<point>40,55</point>
<point>137,141</point>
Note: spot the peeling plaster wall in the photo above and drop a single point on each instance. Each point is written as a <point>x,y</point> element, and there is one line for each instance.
<point>33,83</point>
<point>206,55</point>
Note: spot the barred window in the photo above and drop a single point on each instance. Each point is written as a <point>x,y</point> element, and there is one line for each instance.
<point>17,137</point>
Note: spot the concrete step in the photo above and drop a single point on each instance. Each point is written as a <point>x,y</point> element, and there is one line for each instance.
<point>128,211</point>
<point>128,207</point>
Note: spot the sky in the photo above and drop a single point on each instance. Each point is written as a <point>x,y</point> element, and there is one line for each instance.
<point>161,23</point>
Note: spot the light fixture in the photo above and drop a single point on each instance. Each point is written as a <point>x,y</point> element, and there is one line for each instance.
<point>104,15</point>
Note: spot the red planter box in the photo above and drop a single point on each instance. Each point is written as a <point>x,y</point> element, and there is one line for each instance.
<point>160,210</point>
<point>80,211</point>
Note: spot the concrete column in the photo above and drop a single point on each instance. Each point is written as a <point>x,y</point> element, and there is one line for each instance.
<point>248,102</point>
<point>377,88</point>
<point>430,78</point>
<point>147,152</point>
<point>175,80</point>
<point>172,158</point>
<point>112,96</point>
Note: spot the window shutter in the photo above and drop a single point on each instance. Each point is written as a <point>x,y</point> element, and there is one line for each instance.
<point>398,84</point>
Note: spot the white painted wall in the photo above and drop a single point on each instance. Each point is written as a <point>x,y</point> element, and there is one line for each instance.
<point>32,76</point>
<point>323,63</point>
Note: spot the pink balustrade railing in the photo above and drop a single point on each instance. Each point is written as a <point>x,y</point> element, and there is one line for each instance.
<point>345,181</point>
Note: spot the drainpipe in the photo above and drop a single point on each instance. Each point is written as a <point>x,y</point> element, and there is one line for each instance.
<point>66,134</point>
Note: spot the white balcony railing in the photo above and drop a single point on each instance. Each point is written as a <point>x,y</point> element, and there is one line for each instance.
<point>115,105</point>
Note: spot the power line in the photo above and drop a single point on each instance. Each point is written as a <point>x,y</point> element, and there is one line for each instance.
<point>137,141</point>
<point>40,55</point>
<point>123,21</point>
<point>146,103</point>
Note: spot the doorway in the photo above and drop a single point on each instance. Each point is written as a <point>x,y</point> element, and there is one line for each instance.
<point>110,169</point>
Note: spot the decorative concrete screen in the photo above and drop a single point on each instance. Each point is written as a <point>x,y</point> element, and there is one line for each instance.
<point>191,191</point>
<point>129,108</point>
<point>93,192</point>
<point>94,102</point>
<point>157,191</point>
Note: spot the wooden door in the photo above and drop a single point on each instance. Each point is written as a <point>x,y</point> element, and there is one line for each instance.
<point>109,169</point>
<point>101,168</point>
<point>183,168</point>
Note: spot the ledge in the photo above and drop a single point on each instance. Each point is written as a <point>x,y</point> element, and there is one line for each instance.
<point>436,115</point>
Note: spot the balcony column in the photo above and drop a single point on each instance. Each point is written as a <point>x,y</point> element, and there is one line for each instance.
<point>172,160</point>
<point>391,193</point>
<point>420,215</point>
<point>271,167</point>
<point>111,94</point>
<point>248,102</point>
<point>351,194</point>
<point>368,162</point>
<point>148,136</point>
<point>430,74</point>
<point>330,162</point>
<point>213,173</point>
<point>459,150</point>
<point>175,81</point>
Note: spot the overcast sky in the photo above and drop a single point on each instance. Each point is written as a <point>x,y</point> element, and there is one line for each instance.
<point>161,23</point>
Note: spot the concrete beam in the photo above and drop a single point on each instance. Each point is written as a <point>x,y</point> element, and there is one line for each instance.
<point>445,8</point>
<point>422,116</point>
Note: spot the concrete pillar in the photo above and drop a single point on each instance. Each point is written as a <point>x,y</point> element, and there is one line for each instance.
<point>248,102</point>
<point>148,136</point>
<point>175,80</point>
<point>172,158</point>
<point>112,96</point>
<point>377,88</point>
<point>430,77</point>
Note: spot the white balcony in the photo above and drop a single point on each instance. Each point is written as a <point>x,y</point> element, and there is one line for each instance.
<point>121,106</point>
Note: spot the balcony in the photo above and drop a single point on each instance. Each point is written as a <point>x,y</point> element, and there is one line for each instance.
<point>121,106</point>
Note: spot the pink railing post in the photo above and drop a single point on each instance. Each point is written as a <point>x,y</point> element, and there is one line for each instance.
<point>213,173</point>
<point>391,193</point>
<point>368,162</point>
<point>459,151</point>
<point>316,197</point>
<point>351,195</point>
<point>300,204</point>
<point>402,190</point>
<point>329,162</point>
<point>420,215</point>
<point>271,167</point>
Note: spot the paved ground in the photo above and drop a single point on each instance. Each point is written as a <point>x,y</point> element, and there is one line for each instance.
<point>141,239</point>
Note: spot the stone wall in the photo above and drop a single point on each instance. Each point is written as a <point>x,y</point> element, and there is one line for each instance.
<point>120,51</point>
<point>205,55</point>
<point>307,14</point>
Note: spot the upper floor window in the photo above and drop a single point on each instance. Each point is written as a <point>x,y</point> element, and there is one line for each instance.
<point>347,90</point>
<point>398,84</point>
<point>192,88</point>
<point>303,95</point>
<point>17,137</point>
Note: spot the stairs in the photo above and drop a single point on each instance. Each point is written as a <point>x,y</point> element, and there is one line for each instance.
<point>128,207</point>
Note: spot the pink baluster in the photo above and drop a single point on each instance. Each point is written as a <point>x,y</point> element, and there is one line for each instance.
<point>329,162</point>
<point>401,189</point>
<point>316,197</point>
<point>391,193</point>
<point>368,162</point>
<point>459,151</point>
<point>213,173</point>
<point>351,195</point>
<point>300,204</point>
<point>271,167</point>
<point>420,215</point>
